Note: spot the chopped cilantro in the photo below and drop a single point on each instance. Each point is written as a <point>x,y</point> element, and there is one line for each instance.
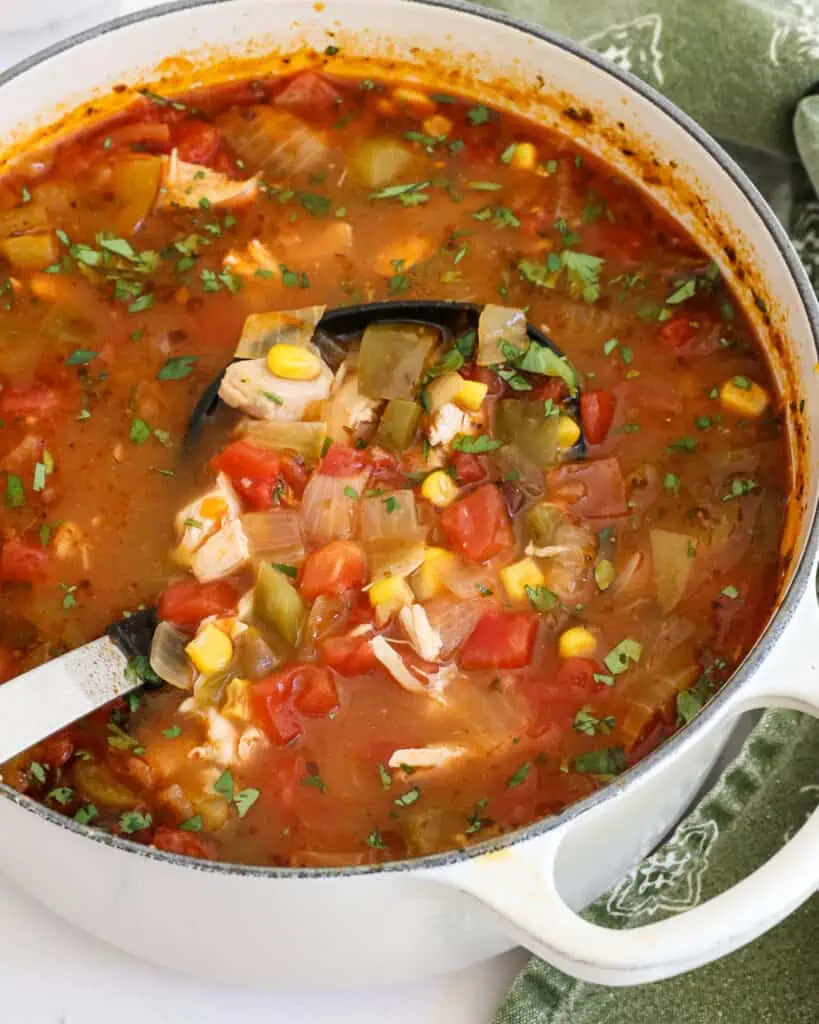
<point>315,780</point>
<point>374,840</point>
<point>81,357</point>
<point>607,761</point>
<point>384,776</point>
<point>671,482</point>
<point>134,821</point>
<point>622,655</point>
<point>351,493</point>
<point>541,598</point>
<point>138,670</point>
<point>176,368</point>
<point>520,775</point>
<point>475,445</point>
<point>391,504</point>
<point>139,432</point>
<point>15,492</point>
<point>172,732</point>
<point>478,115</point>
<point>689,705</point>
<point>193,824</point>
<point>730,592</point>
<point>408,798</point>
<point>287,570</point>
<point>245,799</point>
<point>685,291</point>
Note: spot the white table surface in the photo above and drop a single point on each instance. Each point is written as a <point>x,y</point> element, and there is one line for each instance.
<point>51,973</point>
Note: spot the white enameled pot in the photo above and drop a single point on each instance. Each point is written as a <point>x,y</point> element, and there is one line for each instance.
<point>361,925</point>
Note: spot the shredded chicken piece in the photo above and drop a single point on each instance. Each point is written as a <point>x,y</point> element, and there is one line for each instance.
<point>249,742</point>
<point>194,527</point>
<point>549,551</point>
<point>397,668</point>
<point>250,386</point>
<point>222,554</point>
<point>187,185</point>
<point>70,542</point>
<point>436,755</point>
<point>222,738</point>
<point>255,257</point>
<point>426,640</point>
<point>448,422</point>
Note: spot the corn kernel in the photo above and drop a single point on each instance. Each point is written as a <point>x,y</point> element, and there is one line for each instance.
<point>577,642</point>
<point>428,580</point>
<point>439,489</point>
<point>437,126</point>
<point>388,595</point>
<point>525,156</point>
<point>470,395</point>
<point>292,362</point>
<point>517,577</point>
<point>744,397</point>
<point>416,100</point>
<point>210,650</point>
<point>568,433</point>
<point>212,508</point>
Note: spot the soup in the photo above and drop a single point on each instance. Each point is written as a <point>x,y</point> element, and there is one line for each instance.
<point>416,588</point>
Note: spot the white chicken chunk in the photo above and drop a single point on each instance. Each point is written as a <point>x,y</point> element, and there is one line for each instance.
<point>447,423</point>
<point>426,640</point>
<point>191,186</point>
<point>436,755</point>
<point>250,386</point>
<point>202,518</point>
<point>224,553</point>
<point>347,409</point>
<point>397,668</point>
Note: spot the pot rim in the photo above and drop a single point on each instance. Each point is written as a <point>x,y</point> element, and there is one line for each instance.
<point>765,643</point>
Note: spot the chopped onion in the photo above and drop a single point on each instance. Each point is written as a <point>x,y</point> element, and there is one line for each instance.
<point>652,696</point>
<point>401,560</point>
<point>168,658</point>
<point>514,466</point>
<point>468,580</point>
<point>305,439</point>
<point>330,506</point>
<point>390,520</point>
<point>275,536</point>
<point>261,331</point>
<point>325,616</point>
<point>347,409</point>
<point>498,327</point>
<point>434,756</point>
<point>672,561</point>
<point>453,619</point>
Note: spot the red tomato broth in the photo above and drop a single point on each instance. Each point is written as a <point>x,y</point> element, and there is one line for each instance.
<point>117,349</point>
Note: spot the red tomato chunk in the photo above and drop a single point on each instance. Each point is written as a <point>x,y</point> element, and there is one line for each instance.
<point>500,640</point>
<point>478,525</point>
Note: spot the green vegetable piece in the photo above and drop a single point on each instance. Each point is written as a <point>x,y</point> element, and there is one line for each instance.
<point>543,521</point>
<point>399,424</point>
<point>520,421</point>
<point>607,761</point>
<point>689,705</point>
<point>392,358</point>
<point>277,603</point>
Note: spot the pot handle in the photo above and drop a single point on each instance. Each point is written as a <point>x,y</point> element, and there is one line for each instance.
<point>519,884</point>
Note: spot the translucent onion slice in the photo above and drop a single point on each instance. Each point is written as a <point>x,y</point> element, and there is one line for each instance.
<point>390,520</point>
<point>401,560</point>
<point>453,619</point>
<point>275,535</point>
<point>305,439</point>
<point>498,327</point>
<point>168,658</point>
<point>261,331</point>
<point>469,581</point>
<point>330,506</point>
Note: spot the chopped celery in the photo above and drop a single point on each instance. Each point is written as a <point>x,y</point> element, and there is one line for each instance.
<point>377,162</point>
<point>304,438</point>
<point>30,252</point>
<point>399,423</point>
<point>543,521</point>
<point>277,603</point>
<point>500,329</point>
<point>521,421</point>
<point>392,358</point>
<point>672,564</point>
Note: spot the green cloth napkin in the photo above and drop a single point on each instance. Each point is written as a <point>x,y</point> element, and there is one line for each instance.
<point>739,67</point>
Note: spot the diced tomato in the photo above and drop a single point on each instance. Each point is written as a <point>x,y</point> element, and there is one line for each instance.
<point>185,844</point>
<point>56,751</point>
<point>550,389</point>
<point>478,525</point>
<point>253,471</point>
<point>36,400</point>
<point>338,566</point>
<point>469,469</point>
<point>349,655</point>
<point>309,95</point>
<point>577,672</point>
<point>343,460</point>
<point>500,640</point>
<point>295,475</point>
<point>676,332</point>
<point>483,375</point>
<point>22,562</point>
<point>275,699</point>
<point>386,467</point>
<point>186,603</point>
<point>593,489</point>
<point>197,141</point>
<point>597,413</point>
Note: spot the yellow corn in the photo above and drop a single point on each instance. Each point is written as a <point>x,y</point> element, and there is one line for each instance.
<point>388,595</point>
<point>437,126</point>
<point>292,362</point>
<point>470,395</point>
<point>439,488</point>
<point>428,579</point>
<point>525,156</point>
<point>517,577</point>
<point>568,433</point>
<point>210,650</point>
<point>418,101</point>
<point>212,508</point>
<point>577,642</point>
<point>744,397</point>
<point>237,704</point>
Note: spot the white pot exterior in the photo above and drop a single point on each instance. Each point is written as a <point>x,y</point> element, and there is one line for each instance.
<point>364,926</point>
